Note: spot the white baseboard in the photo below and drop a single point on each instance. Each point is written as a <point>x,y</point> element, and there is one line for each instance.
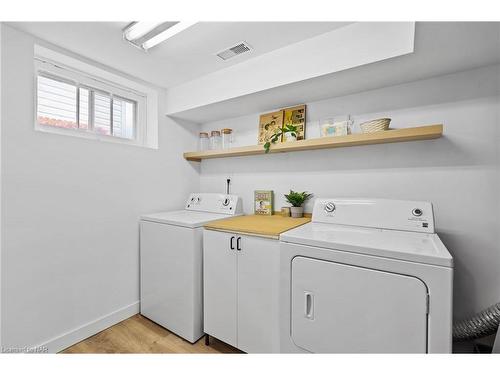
<point>78,334</point>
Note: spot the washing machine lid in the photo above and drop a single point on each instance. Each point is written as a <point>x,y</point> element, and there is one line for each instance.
<point>402,245</point>
<point>184,218</point>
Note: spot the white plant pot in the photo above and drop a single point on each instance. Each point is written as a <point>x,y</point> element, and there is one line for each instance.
<point>297,211</point>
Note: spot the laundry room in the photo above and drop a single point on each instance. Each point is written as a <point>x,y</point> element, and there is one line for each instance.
<point>276,185</point>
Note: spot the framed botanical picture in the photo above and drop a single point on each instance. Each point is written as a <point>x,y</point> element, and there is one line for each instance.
<point>295,116</point>
<point>268,124</point>
<point>263,202</point>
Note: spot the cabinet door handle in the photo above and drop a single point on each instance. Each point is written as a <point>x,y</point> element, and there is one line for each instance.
<point>231,245</point>
<point>238,244</point>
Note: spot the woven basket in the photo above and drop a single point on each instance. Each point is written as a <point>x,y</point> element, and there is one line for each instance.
<point>377,125</point>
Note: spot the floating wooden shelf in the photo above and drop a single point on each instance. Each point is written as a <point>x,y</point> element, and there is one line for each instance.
<point>359,139</point>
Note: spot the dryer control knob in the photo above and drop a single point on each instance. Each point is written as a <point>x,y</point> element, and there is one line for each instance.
<point>330,207</point>
<point>417,212</point>
<point>226,202</point>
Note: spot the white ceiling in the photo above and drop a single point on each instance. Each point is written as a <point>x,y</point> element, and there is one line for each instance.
<point>440,48</point>
<point>185,56</point>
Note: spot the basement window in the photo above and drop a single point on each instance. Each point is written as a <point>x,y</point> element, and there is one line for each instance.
<point>70,101</point>
<point>68,105</point>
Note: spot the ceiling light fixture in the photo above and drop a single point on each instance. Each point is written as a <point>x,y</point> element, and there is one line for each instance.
<point>139,29</point>
<point>148,34</point>
<point>168,33</point>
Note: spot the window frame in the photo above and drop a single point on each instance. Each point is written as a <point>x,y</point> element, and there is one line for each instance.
<point>50,69</point>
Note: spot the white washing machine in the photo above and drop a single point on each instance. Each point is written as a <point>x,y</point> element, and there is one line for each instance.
<point>171,262</point>
<point>366,276</point>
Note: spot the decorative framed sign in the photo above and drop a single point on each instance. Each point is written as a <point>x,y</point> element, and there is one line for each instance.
<point>268,124</point>
<point>296,116</point>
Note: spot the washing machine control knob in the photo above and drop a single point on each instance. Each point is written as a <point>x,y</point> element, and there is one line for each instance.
<point>330,207</point>
<point>226,202</point>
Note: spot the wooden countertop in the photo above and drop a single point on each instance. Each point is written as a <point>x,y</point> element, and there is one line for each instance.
<point>258,225</point>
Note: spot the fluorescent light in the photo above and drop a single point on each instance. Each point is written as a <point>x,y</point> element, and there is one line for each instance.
<point>168,33</point>
<point>138,29</point>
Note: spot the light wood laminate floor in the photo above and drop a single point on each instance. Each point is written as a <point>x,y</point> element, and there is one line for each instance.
<point>140,335</point>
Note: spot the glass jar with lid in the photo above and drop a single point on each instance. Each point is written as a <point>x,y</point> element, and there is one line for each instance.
<point>227,138</point>
<point>215,140</point>
<point>203,143</point>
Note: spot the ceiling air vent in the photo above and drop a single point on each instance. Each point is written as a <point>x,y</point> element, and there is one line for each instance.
<point>234,51</point>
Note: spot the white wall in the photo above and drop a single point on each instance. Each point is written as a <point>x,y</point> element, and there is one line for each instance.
<point>457,173</point>
<point>70,209</point>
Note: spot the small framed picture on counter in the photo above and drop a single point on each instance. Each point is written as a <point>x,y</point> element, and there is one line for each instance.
<point>263,202</point>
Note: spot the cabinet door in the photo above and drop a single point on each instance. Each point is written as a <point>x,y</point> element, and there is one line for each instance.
<point>258,279</point>
<point>220,286</point>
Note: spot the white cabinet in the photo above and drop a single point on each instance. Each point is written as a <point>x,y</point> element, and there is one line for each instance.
<point>220,286</point>
<point>241,277</point>
<point>258,281</point>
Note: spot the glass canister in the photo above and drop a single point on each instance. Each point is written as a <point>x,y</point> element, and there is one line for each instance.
<point>203,143</point>
<point>215,140</point>
<point>227,138</point>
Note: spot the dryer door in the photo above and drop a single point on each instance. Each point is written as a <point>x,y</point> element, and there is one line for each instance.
<point>338,308</point>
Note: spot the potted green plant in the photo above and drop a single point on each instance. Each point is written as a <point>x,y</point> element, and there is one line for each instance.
<point>297,199</point>
<point>288,128</point>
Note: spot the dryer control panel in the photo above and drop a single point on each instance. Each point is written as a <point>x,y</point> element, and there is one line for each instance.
<point>375,213</point>
<point>227,204</point>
